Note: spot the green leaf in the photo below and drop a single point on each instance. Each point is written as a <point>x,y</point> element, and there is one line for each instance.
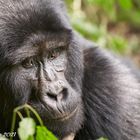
<point>126,4</point>
<point>43,133</point>
<point>31,138</point>
<point>102,138</point>
<point>26,129</point>
<point>2,137</point>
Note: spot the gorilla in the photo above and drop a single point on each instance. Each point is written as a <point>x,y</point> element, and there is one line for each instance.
<point>77,88</point>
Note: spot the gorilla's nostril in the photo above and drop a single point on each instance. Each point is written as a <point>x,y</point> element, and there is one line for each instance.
<point>52,96</point>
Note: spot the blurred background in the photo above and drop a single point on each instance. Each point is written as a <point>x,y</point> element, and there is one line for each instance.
<point>113,24</point>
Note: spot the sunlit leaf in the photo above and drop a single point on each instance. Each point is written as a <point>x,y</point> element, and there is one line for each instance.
<point>26,129</point>
<point>2,137</point>
<point>102,138</point>
<point>43,133</point>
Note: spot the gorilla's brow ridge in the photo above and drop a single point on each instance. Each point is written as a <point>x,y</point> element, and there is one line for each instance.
<point>20,54</point>
<point>37,44</point>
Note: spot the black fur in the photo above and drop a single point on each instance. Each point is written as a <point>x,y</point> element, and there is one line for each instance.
<point>105,91</point>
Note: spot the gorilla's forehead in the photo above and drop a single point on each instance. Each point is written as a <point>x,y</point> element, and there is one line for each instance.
<point>20,18</point>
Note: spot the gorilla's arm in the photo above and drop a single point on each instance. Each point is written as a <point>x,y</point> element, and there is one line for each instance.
<point>111,97</point>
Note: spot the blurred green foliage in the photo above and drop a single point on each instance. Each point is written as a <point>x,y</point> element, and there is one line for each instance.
<point>114,24</point>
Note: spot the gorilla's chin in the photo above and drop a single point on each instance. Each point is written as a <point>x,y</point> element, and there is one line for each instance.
<point>67,124</point>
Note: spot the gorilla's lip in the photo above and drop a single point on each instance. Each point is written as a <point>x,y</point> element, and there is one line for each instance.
<point>62,117</point>
<point>66,116</point>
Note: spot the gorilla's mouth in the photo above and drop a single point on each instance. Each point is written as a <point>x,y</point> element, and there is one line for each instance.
<point>60,117</point>
<point>66,116</point>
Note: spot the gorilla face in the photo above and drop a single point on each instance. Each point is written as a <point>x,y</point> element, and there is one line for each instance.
<point>40,64</point>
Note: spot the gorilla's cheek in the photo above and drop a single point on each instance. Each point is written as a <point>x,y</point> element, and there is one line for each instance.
<point>16,85</point>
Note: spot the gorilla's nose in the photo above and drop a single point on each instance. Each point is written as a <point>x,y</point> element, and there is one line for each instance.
<point>57,91</point>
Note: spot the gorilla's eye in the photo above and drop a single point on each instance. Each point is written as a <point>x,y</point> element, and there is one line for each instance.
<point>28,63</point>
<point>52,54</point>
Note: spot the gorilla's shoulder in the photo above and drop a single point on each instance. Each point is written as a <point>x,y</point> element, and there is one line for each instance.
<point>109,85</point>
<point>99,59</point>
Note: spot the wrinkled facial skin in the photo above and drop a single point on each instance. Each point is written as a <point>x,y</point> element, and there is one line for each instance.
<point>45,71</point>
